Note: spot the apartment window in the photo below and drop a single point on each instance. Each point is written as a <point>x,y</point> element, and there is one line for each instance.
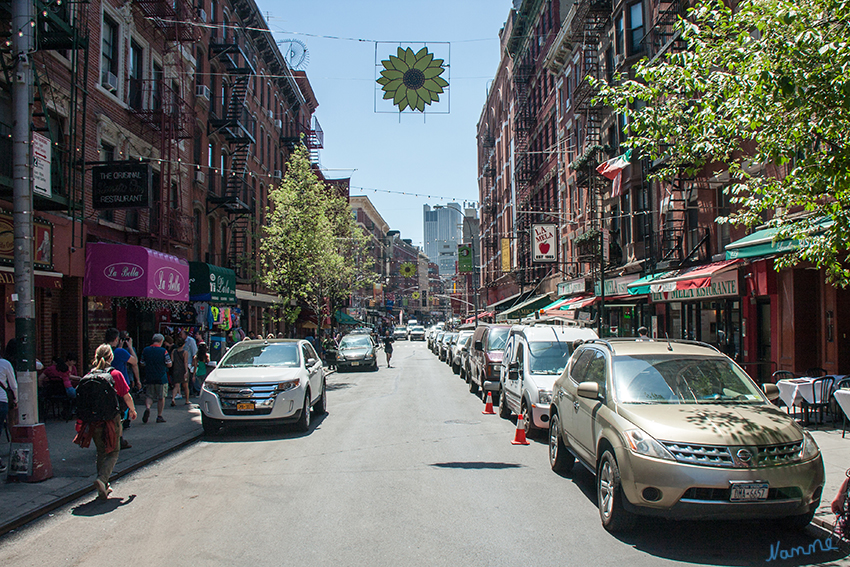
<point>636,29</point>
<point>137,57</point>
<point>609,64</point>
<point>618,35</point>
<point>222,234</point>
<point>213,92</point>
<point>210,171</point>
<point>213,10</point>
<point>156,87</point>
<point>109,49</point>
<point>626,207</point>
<point>211,240</point>
<point>223,174</point>
<point>196,242</point>
<point>175,197</point>
<point>196,148</point>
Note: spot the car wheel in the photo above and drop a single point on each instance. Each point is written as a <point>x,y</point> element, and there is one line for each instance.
<point>560,459</point>
<point>321,406</point>
<point>504,410</point>
<point>473,386</point>
<point>303,423</point>
<point>527,420</point>
<point>456,368</point>
<point>615,518</point>
<point>799,523</point>
<point>211,426</point>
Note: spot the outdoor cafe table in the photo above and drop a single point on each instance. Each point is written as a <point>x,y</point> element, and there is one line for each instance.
<point>795,390</point>
<point>843,399</point>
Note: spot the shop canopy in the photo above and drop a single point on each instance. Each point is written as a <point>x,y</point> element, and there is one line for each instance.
<point>508,302</point>
<point>570,304</point>
<point>346,319</point>
<point>479,316</point>
<point>641,286</point>
<point>524,308</point>
<point>211,283</point>
<point>764,243</point>
<point>694,277</point>
<point>557,303</point>
<point>122,270</point>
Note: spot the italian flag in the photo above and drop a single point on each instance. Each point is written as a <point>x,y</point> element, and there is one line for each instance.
<point>611,168</point>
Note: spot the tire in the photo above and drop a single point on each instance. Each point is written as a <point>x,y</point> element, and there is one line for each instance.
<point>615,518</point>
<point>473,386</point>
<point>801,522</point>
<point>321,406</point>
<point>211,426</point>
<point>456,368</point>
<point>560,459</point>
<point>504,410</point>
<point>527,420</point>
<point>303,423</point>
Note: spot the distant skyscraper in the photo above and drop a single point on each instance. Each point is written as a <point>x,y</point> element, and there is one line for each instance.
<point>443,227</point>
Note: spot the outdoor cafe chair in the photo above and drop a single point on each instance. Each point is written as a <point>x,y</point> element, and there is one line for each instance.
<point>815,372</point>
<point>843,384</point>
<point>822,390</point>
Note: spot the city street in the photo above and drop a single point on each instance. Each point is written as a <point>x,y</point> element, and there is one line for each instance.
<point>403,470</point>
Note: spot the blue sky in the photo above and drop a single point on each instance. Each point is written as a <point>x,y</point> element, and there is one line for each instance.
<point>435,156</point>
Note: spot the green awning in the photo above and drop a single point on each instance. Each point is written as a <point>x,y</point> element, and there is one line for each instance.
<point>641,286</point>
<point>764,243</point>
<point>211,283</point>
<point>524,308</point>
<point>345,319</point>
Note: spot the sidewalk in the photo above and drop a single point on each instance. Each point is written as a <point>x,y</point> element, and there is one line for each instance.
<point>74,467</point>
<point>836,461</point>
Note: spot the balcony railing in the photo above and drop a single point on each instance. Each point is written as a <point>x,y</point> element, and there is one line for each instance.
<point>174,18</point>
<point>161,107</point>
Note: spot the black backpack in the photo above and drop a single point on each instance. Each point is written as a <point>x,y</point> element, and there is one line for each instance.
<point>96,397</point>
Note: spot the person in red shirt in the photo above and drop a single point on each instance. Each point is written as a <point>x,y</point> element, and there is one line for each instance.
<point>59,371</point>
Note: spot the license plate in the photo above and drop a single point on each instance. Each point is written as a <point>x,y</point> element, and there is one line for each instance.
<point>355,364</point>
<point>749,492</point>
<point>245,406</point>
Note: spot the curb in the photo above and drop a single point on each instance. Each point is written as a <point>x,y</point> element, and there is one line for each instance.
<point>31,515</point>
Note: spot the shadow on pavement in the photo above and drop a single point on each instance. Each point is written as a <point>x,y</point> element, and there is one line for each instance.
<point>477,465</point>
<point>242,432</point>
<point>97,507</point>
<point>338,386</point>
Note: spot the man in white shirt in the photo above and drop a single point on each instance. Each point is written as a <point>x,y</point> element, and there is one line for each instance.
<point>8,388</point>
<point>191,349</point>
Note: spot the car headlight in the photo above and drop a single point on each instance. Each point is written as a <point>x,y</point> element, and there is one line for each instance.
<point>288,385</point>
<point>810,447</point>
<point>544,397</point>
<point>210,386</point>
<point>642,444</point>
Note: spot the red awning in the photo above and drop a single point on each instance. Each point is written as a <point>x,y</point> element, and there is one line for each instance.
<point>692,278</point>
<point>479,316</point>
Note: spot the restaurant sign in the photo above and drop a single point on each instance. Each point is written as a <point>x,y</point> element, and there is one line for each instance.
<point>545,247</point>
<point>121,185</point>
<point>572,287</point>
<point>725,286</point>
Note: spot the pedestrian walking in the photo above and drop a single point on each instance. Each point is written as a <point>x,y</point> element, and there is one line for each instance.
<point>388,346</point>
<point>179,372</point>
<point>100,415</point>
<point>200,362</point>
<point>156,362</point>
<point>191,349</point>
<point>8,397</point>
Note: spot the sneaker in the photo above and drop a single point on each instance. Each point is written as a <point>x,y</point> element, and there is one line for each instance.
<point>3,467</point>
<point>125,444</point>
<point>160,419</point>
<point>172,403</point>
<point>178,397</point>
<point>146,416</point>
<point>102,491</point>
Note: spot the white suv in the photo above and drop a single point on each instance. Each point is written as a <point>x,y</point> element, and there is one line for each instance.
<point>535,356</point>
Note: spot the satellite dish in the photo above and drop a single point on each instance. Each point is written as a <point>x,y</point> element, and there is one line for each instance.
<point>295,53</point>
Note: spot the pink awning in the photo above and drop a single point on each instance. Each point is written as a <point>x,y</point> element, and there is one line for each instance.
<point>121,270</point>
<point>693,278</point>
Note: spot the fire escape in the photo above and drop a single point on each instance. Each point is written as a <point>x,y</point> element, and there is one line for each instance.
<point>166,116</point>
<point>489,222</point>
<point>58,27</point>
<point>236,197</point>
<point>295,131</point>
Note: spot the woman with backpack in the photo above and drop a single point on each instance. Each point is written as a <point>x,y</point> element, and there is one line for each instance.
<point>99,414</point>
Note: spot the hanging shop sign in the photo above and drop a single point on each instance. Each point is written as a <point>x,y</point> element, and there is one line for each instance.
<point>544,243</point>
<point>506,254</point>
<point>572,287</point>
<point>723,286</point>
<point>464,258</point>
<point>121,270</point>
<point>41,158</point>
<point>121,185</point>
<point>617,286</point>
<point>211,283</point>
<point>42,244</point>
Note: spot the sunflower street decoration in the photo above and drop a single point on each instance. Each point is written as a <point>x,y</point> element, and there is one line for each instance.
<point>407,269</point>
<point>415,295</point>
<point>412,79</point>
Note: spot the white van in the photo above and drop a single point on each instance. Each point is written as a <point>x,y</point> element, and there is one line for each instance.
<point>535,356</point>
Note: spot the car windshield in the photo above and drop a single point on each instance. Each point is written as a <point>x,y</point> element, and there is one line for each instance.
<point>682,380</point>
<point>357,341</point>
<point>549,357</point>
<point>463,340</point>
<point>272,354</point>
<point>417,330</point>
<point>497,338</point>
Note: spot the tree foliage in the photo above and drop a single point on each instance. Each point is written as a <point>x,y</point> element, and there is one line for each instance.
<point>312,248</point>
<point>764,89</point>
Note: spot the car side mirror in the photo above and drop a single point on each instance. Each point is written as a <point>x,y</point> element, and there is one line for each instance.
<point>312,361</point>
<point>479,345</point>
<point>589,390</point>
<point>771,391</point>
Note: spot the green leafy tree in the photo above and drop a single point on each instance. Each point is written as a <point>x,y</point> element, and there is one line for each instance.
<point>302,256</point>
<point>763,91</point>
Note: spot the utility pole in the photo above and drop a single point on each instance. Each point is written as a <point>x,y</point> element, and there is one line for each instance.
<point>30,456</point>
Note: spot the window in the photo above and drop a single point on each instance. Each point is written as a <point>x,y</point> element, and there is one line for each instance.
<point>222,233</point>
<point>175,197</point>
<point>196,242</point>
<point>618,35</point>
<point>210,169</point>
<point>223,173</point>
<point>609,64</point>
<point>156,199</point>
<point>636,28</point>
<point>136,76</point>
<point>156,87</point>
<point>109,48</point>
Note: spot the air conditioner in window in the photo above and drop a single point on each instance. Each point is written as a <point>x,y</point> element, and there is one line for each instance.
<point>109,81</point>
<point>202,91</point>
<point>618,60</point>
<point>200,177</point>
<point>277,174</point>
<point>202,15</point>
<point>271,114</point>
<point>278,124</point>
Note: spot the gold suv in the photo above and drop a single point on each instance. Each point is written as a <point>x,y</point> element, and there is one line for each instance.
<point>677,429</point>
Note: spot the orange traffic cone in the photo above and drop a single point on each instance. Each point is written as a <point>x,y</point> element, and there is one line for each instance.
<point>488,408</point>
<point>519,438</point>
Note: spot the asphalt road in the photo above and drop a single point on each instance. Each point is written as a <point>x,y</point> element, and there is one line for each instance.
<point>403,470</point>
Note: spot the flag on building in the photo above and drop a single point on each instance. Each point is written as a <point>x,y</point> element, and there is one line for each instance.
<point>613,166</point>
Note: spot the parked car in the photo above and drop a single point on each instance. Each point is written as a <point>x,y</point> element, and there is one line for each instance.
<point>677,429</point>
<point>400,333</point>
<point>485,359</point>
<point>459,349</point>
<point>445,345</point>
<point>264,381</point>
<point>416,333</point>
<point>356,351</point>
<point>535,355</point>
<point>435,343</point>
